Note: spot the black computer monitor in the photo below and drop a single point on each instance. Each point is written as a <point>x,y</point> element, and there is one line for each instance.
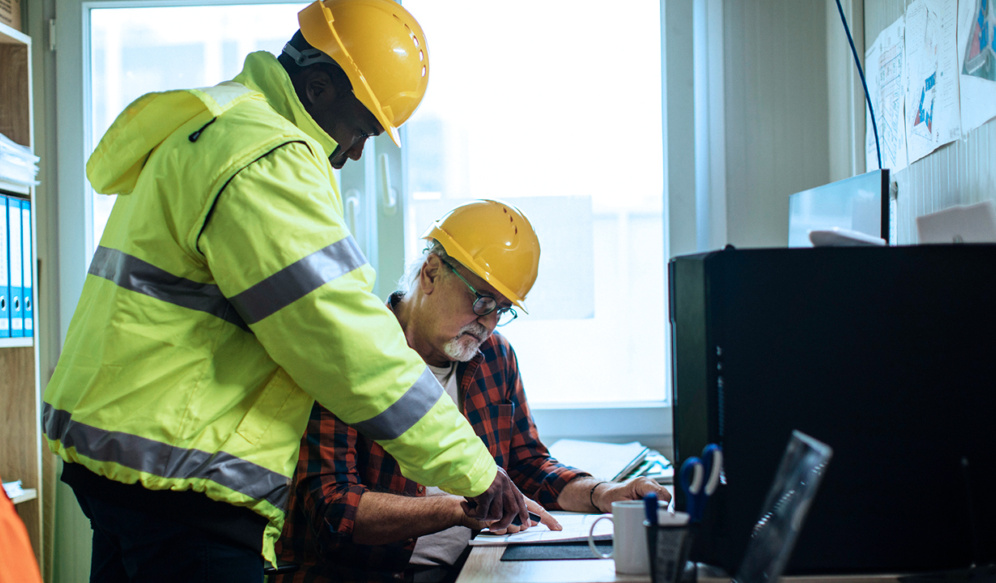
<point>859,203</point>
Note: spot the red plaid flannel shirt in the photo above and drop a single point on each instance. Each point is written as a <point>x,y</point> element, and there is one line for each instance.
<point>337,466</point>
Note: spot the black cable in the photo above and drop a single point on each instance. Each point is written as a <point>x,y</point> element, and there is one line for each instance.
<point>871,111</point>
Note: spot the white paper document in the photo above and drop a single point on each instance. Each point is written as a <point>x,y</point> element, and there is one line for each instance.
<point>932,108</point>
<point>977,62</point>
<point>576,527</point>
<point>885,73</point>
<point>608,461</point>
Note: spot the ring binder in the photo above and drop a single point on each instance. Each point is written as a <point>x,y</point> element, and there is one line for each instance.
<point>26,289</point>
<point>15,264</point>
<point>4,272</point>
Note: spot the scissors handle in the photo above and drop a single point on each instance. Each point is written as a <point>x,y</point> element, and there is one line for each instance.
<point>712,459</point>
<point>692,479</point>
<point>699,478</point>
<point>691,475</point>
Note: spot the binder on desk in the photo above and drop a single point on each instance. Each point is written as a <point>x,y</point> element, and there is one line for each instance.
<point>16,272</point>
<point>26,289</point>
<point>4,272</point>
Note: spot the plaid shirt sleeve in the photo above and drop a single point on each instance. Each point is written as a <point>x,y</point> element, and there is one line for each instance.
<point>336,467</point>
<point>515,442</point>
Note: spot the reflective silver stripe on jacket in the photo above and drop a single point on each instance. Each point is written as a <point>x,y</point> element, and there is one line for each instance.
<point>140,276</point>
<point>297,280</point>
<point>167,461</point>
<point>405,412</point>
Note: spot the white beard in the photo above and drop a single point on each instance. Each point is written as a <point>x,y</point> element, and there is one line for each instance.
<point>464,346</point>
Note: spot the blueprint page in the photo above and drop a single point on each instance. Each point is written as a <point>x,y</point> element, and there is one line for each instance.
<point>933,115</point>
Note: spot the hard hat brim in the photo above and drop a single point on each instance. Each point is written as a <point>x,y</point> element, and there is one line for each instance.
<point>319,31</point>
<point>460,254</point>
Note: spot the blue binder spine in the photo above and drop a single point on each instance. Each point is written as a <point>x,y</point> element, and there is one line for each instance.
<point>4,272</point>
<point>16,272</point>
<point>27,299</point>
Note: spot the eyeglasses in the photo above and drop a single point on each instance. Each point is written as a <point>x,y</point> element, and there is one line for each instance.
<point>484,305</point>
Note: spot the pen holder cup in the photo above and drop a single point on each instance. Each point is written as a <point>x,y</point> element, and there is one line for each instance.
<point>668,545</point>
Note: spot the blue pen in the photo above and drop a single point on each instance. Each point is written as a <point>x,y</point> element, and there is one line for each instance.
<point>650,506</point>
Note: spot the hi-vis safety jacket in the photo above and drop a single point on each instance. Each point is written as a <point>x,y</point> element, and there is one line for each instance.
<point>226,296</point>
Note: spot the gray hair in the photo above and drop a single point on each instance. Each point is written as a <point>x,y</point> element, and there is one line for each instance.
<point>409,281</point>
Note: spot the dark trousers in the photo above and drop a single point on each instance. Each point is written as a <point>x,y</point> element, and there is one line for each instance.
<point>131,546</point>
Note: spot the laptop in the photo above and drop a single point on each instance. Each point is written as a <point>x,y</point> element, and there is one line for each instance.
<point>799,474</point>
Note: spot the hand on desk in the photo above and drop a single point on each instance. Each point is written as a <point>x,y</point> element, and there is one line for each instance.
<point>635,489</point>
<point>499,504</point>
<point>534,508</point>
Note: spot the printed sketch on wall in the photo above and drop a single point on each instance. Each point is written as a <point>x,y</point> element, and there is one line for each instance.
<point>885,72</point>
<point>977,62</point>
<point>980,54</point>
<point>932,107</point>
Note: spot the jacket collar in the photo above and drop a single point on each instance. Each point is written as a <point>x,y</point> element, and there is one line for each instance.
<point>262,72</point>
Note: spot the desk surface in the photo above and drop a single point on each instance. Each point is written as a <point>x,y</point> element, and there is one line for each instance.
<point>485,566</point>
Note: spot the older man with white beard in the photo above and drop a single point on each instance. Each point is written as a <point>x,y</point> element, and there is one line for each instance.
<point>354,517</point>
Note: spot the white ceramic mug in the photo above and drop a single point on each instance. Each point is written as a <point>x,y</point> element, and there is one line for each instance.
<point>629,538</point>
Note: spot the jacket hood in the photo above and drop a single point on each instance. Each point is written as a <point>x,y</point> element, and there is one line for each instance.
<point>116,163</point>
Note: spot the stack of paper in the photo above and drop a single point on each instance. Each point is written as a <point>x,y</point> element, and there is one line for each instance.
<point>17,163</point>
<point>608,461</point>
<point>13,489</point>
<point>576,527</point>
<point>656,467</point>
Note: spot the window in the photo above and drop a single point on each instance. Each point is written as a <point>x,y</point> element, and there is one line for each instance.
<point>136,50</point>
<point>556,107</point>
<point>553,106</point>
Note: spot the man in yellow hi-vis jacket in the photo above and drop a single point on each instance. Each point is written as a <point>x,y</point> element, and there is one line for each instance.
<point>227,295</point>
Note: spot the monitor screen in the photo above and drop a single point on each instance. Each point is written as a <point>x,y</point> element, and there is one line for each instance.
<point>859,203</point>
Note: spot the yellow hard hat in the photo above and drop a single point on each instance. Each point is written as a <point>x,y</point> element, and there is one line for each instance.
<point>494,240</point>
<point>381,48</point>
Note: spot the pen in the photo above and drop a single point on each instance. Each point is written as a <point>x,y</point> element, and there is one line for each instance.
<point>532,516</point>
<point>650,506</point>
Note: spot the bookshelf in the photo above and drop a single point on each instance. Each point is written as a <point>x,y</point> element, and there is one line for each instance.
<point>20,393</point>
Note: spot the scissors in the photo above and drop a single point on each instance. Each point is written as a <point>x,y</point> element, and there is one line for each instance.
<point>699,478</point>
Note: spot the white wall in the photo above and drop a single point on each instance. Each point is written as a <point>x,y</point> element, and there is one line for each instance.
<point>777,138</point>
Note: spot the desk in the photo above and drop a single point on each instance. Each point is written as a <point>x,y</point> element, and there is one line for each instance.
<point>485,566</point>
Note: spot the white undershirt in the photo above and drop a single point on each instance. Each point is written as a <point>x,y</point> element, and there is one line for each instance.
<point>447,377</point>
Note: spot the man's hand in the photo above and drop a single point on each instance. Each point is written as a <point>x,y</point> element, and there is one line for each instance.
<point>607,493</point>
<point>534,507</point>
<point>499,504</point>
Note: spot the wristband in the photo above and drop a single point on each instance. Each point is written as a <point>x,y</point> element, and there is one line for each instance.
<point>591,496</point>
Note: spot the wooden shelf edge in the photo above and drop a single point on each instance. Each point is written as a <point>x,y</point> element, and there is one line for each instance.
<point>16,342</point>
<point>29,494</point>
<point>9,34</point>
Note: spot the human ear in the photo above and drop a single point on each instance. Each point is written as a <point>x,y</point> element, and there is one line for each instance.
<point>429,274</point>
<point>319,88</point>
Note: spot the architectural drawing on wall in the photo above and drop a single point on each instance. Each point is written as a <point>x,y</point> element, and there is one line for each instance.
<point>980,54</point>
<point>977,62</point>
<point>923,124</point>
<point>932,108</point>
<point>886,75</point>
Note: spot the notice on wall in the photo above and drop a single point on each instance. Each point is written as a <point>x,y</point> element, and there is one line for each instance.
<point>977,62</point>
<point>933,115</point>
<point>885,74</point>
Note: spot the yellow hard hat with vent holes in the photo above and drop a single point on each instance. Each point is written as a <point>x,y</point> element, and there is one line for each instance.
<point>494,240</point>
<point>382,50</point>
